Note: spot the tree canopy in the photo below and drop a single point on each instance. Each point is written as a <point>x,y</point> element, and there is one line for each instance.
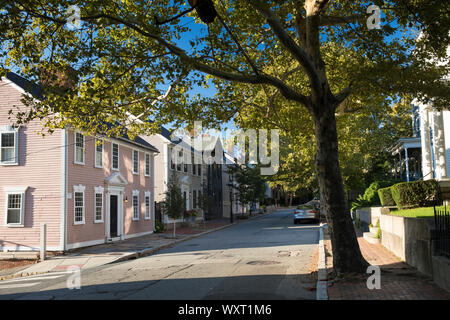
<point>297,59</point>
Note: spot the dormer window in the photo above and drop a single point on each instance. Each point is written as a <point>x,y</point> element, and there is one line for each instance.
<point>8,146</point>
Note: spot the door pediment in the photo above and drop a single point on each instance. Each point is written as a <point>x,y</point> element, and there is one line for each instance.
<point>116,179</point>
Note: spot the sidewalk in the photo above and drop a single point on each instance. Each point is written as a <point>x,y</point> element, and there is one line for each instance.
<point>399,281</point>
<point>133,248</point>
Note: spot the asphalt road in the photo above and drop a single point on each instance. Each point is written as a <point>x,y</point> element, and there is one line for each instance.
<point>265,258</point>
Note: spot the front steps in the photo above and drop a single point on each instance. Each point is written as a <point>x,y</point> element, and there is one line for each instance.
<point>371,236</point>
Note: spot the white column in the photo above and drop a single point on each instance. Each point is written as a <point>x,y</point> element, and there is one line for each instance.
<point>427,165</point>
<point>439,145</point>
<point>407,164</point>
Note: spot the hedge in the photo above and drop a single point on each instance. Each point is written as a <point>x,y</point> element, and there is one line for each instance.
<point>415,194</point>
<point>385,195</point>
<point>370,197</point>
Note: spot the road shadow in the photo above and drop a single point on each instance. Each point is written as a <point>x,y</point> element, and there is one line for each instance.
<point>252,287</point>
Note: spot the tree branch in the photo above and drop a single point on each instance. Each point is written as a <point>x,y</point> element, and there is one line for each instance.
<point>289,43</point>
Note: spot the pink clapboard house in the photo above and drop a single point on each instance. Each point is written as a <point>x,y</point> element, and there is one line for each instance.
<point>87,193</point>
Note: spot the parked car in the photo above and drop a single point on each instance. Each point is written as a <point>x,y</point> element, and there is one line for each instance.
<point>306,212</point>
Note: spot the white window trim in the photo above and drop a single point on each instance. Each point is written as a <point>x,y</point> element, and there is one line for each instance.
<point>79,188</point>
<point>10,129</point>
<point>135,193</point>
<point>95,152</point>
<point>99,190</point>
<point>147,195</point>
<point>112,156</point>
<point>15,190</point>
<point>75,148</point>
<point>133,151</point>
<point>147,156</point>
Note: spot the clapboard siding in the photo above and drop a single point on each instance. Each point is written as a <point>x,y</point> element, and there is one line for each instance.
<point>40,169</point>
<point>90,177</point>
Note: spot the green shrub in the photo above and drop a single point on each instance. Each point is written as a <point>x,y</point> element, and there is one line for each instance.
<point>370,197</point>
<point>159,227</point>
<point>378,235</point>
<point>385,196</point>
<point>415,194</point>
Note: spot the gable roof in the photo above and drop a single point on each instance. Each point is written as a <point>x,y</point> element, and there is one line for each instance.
<point>26,85</point>
<point>36,91</point>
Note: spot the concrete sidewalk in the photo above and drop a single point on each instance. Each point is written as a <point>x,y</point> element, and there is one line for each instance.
<point>399,281</point>
<point>95,256</point>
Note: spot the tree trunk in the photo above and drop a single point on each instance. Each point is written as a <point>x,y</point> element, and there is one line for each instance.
<point>347,257</point>
<point>174,229</point>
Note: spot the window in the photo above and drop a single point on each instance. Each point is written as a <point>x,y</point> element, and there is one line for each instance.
<point>199,169</point>
<point>98,204</point>
<point>135,157</point>
<point>135,205</point>
<point>115,156</point>
<point>147,164</point>
<point>98,153</point>
<point>8,146</point>
<point>79,148</point>
<point>194,199</point>
<point>171,159</point>
<point>180,156</point>
<point>147,205</point>
<point>78,201</point>
<point>193,165</point>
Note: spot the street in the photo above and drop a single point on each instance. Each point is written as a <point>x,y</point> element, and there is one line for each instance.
<point>264,258</point>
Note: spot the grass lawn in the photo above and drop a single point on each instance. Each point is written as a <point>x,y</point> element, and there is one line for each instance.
<point>424,212</point>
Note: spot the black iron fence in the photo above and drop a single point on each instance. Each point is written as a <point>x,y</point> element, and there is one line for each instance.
<point>441,234</point>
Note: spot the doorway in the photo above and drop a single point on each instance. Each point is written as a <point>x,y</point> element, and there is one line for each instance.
<point>113,214</point>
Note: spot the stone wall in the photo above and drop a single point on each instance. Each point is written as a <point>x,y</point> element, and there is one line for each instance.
<point>409,239</point>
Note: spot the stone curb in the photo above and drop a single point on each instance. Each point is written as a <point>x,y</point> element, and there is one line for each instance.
<point>321,288</point>
<point>140,253</point>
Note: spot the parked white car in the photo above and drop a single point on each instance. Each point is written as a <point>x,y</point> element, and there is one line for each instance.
<point>306,212</point>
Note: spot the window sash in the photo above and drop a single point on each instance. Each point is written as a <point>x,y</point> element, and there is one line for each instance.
<point>79,148</point>
<point>194,199</point>
<point>78,204</point>
<point>115,156</point>
<point>14,209</point>
<point>135,207</point>
<point>98,206</point>
<point>8,147</point>
<point>147,164</point>
<point>99,153</point>
<point>171,159</point>
<point>147,207</point>
<point>135,161</point>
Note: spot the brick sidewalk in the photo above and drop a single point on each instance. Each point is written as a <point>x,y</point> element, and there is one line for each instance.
<point>399,281</point>
<point>201,227</point>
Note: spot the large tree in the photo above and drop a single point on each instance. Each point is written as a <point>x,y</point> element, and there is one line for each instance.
<point>139,57</point>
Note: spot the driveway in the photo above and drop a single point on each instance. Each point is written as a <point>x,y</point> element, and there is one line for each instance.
<point>266,258</point>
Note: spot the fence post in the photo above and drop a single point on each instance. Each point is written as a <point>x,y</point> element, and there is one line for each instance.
<point>43,241</point>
